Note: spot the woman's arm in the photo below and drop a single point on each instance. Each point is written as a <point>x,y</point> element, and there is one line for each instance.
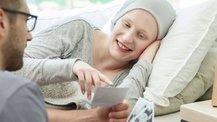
<point>136,80</point>
<point>47,57</point>
<point>46,71</point>
<point>52,56</point>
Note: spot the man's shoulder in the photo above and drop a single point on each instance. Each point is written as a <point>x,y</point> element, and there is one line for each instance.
<point>10,84</point>
<point>17,96</point>
<point>12,80</point>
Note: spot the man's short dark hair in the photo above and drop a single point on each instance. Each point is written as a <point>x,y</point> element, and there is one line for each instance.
<point>11,4</point>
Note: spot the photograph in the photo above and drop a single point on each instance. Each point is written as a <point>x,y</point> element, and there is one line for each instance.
<point>143,111</point>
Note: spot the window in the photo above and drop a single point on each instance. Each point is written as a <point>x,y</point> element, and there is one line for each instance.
<point>41,5</point>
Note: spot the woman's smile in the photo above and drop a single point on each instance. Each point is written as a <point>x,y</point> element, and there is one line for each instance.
<point>122,47</point>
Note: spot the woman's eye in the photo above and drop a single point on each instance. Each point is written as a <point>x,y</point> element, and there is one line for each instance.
<point>141,36</point>
<point>125,24</point>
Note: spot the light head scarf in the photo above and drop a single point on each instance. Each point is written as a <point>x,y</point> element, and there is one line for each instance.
<point>162,11</point>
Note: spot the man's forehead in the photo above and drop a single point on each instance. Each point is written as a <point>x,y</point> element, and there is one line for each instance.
<point>24,6</point>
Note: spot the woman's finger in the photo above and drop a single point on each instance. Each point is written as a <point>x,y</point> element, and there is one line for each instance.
<point>96,79</point>
<point>80,75</point>
<point>105,79</point>
<point>89,83</point>
<point>89,90</point>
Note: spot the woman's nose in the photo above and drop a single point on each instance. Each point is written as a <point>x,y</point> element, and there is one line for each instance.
<point>128,36</point>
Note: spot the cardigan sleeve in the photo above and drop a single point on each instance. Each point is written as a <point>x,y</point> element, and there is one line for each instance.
<point>47,58</point>
<point>136,80</point>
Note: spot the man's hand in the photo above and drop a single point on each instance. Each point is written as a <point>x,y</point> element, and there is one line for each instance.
<point>116,113</point>
<point>90,75</point>
<point>150,52</point>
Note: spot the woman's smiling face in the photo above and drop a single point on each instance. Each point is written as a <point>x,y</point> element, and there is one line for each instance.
<point>132,33</point>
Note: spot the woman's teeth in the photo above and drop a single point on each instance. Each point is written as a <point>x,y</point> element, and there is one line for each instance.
<point>123,47</point>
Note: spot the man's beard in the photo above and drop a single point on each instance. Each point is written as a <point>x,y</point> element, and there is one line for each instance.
<point>13,53</point>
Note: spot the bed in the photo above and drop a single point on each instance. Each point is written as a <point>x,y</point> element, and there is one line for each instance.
<point>193,74</point>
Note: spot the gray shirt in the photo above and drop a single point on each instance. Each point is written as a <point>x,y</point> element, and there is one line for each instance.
<point>50,56</point>
<point>21,100</point>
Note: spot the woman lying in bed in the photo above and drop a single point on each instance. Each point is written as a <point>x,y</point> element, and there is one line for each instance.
<point>75,50</point>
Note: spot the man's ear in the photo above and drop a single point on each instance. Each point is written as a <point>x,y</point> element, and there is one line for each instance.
<point>2,22</point>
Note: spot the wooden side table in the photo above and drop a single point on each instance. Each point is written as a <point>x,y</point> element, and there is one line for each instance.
<point>199,112</point>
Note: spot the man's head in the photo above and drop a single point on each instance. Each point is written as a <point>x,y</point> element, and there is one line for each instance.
<point>14,33</point>
<point>15,4</point>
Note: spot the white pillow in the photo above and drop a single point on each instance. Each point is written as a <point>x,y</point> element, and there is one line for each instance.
<point>182,51</point>
<point>95,15</point>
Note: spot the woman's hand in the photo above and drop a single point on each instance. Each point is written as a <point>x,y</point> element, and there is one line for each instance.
<point>116,113</point>
<point>90,75</point>
<point>150,52</point>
